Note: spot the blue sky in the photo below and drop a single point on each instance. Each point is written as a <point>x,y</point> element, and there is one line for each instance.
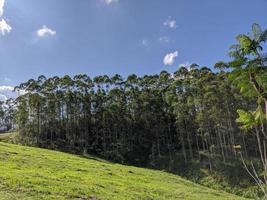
<point>57,37</point>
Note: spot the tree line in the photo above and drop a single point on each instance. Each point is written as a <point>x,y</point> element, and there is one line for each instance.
<point>193,113</point>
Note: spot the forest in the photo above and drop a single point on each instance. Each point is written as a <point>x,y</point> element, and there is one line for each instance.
<point>195,113</point>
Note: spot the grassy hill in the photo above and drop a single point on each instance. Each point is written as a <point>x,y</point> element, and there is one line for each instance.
<point>33,173</point>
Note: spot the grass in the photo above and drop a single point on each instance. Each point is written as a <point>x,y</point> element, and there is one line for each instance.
<point>33,173</point>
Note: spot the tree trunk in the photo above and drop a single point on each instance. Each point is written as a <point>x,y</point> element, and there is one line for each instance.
<point>183,146</point>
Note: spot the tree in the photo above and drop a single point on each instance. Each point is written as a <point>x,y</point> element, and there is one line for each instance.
<point>249,72</point>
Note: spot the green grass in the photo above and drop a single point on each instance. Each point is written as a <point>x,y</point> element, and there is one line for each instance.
<point>33,173</point>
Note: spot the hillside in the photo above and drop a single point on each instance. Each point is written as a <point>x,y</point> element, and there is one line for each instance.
<point>31,173</point>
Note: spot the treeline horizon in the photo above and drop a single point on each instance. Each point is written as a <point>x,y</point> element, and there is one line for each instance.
<point>137,120</point>
<point>192,114</point>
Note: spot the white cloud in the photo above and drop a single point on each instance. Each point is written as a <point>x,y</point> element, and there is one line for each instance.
<point>20,92</point>
<point>45,31</point>
<point>170,58</point>
<point>171,23</point>
<point>4,26</point>
<point>6,88</point>
<point>108,2</point>
<point>164,39</point>
<point>7,92</point>
<point>2,3</point>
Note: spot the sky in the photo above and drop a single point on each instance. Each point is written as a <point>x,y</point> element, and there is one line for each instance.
<point>96,37</point>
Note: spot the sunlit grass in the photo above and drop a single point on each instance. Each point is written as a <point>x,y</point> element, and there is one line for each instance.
<point>33,173</point>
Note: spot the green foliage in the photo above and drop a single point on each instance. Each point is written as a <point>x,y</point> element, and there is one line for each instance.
<point>230,176</point>
<point>249,75</point>
<point>257,31</point>
<point>250,119</point>
<point>245,43</point>
<point>31,173</point>
<point>247,119</point>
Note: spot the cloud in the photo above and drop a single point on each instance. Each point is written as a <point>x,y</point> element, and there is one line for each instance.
<point>2,3</point>
<point>45,31</point>
<point>170,58</point>
<point>4,27</point>
<point>7,92</point>
<point>171,23</point>
<point>6,88</point>
<point>20,92</point>
<point>164,39</point>
<point>108,2</point>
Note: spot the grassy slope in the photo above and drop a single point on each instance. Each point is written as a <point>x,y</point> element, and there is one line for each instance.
<point>33,173</point>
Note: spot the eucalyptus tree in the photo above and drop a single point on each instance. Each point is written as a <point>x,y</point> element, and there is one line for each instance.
<point>138,120</point>
<point>186,115</point>
<point>2,114</point>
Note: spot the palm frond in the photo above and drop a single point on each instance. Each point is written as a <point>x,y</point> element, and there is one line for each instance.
<point>257,31</point>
